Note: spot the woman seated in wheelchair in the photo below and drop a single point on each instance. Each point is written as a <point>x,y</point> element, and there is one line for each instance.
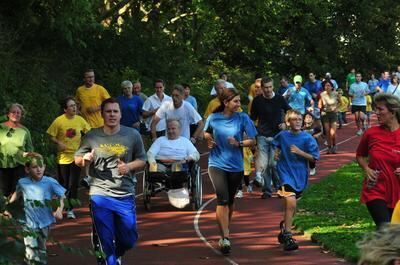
<point>172,153</point>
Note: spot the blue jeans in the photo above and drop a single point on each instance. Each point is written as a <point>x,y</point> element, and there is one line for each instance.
<point>266,163</point>
<point>115,222</point>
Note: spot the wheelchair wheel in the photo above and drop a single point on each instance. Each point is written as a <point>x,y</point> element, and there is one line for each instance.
<point>146,191</point>
<point>197,188</point>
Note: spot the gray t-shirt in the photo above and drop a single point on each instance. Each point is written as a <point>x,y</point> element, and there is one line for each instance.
<point>126,145</point>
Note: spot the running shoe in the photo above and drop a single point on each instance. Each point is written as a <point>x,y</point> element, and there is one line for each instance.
<point>239,194</point>
<point>265,195</point>
<point>334,149</point>
<point>250,188</point>
<point>313,171</point>
<point>289,243</point>
<point>119,261</point>
<point>225,245</point>
<point>71,214</point>
<point>359,132</point>
<point>282,232</point>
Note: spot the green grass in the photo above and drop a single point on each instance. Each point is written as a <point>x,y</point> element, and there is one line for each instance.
<point>331,213</point>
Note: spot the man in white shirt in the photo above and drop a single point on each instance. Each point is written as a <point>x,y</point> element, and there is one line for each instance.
<point>152,104</point>
<point>180,110</point>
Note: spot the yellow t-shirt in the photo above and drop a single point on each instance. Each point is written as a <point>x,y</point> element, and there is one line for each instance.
<point>212,105</point>
<point>369,103</point>
<point>396,214</point>
<point>68,131</point>
<point>343,107</point>
<point>91,97</point>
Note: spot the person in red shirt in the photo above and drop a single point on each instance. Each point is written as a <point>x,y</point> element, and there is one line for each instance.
<point>378,154</point>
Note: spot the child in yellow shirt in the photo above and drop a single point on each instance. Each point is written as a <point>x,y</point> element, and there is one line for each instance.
<point>342,108</point>
<point>368,110</point>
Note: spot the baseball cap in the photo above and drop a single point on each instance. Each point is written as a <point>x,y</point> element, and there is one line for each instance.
<point>297,79</point>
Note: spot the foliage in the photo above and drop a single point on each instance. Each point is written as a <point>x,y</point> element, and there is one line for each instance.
<point>331,213</point>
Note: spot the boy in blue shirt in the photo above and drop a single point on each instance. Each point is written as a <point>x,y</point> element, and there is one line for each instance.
<point>295,149</point>
<point>37,187</point>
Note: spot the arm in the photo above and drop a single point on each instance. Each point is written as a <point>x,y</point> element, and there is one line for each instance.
<point>245,143</point>
<point>198,133</point>
<point>58,212</point>
<point>295,150</point>
<point>60,145</point>
<point>153,125</point>
<point>320,104</point>
<point>86,159</point>
<point>15,196</point>
<point>148,113</point>
<point>124,168</point>
<point>209,139</point>
<point>370,174</point>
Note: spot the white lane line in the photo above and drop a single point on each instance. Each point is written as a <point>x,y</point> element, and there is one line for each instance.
<point>200,235</point>
<point>199,212</point>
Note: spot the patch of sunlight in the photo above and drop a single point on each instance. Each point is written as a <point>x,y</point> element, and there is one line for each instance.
<point>351,200</point>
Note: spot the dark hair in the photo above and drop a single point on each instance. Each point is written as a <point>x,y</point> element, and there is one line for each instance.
<point>88,70</point>
<point>227,95</point>
<point>109,101</point>
<point>159,81</point>
<point>325,82</point>
<point>265,80</point>
<point>64,102</point>
<point>258,75</point>
<point>185,85</point>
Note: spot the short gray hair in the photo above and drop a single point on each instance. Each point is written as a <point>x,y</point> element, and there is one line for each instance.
<point>175,120</point>
<point>126,83</point>
<point>220,82</point>
<point>391,102</point>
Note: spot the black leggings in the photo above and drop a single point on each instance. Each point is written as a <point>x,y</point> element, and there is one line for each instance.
<point>68,176</point>
<point>379,212</point>
<point>225,184</point>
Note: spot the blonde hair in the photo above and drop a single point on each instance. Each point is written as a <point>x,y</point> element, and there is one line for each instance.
<point>381,247</point>
<point>391,102</point>
<point>290,114</point>
<point>12,105</point>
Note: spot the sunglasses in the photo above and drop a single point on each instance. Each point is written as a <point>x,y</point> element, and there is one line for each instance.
<point>10,132</point>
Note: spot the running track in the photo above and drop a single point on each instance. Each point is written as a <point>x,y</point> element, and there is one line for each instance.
<point>171,236</point>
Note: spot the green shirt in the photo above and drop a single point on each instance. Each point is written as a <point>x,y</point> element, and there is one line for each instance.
<point>13,143</point>
<point>350,78</point>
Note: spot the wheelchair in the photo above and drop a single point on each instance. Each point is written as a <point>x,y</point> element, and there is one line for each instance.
<point>155,182</point>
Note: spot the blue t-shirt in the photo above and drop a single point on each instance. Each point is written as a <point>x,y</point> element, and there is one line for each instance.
<point>358,92</point>
<point>131,108</point>
<point>384,84</point>
<point>293,169</point>
<point>298,99</point>
<point>42,190</point>
<point>372,83</point>
<point>192,101</point>
<point>224,155</point>
<point>313,87</point>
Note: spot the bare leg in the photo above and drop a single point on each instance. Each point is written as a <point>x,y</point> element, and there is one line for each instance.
<point>290,208</point>
<point>223,214</point>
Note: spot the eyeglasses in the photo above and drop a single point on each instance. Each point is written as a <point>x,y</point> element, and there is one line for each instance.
<point>10,132</point>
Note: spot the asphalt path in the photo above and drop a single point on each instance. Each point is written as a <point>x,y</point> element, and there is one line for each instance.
<point>172,236</point>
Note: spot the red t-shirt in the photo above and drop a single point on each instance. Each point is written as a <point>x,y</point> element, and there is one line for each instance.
<point>383,149</point>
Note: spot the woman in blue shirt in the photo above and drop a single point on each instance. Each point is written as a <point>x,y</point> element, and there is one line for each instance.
<point>224,133</point>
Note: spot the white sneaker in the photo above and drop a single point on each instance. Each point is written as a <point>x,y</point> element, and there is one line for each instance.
<point>225,245</point>
<point>359,132</point>
<point>326,142</point>
<point>313,171</point>
<point>239,194</point>
<point>71,215</point>
<point>250,188</point>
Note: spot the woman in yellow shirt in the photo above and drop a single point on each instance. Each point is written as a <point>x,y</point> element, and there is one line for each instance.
<point>66,131</point>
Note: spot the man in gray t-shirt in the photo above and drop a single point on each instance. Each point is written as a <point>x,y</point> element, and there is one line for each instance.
<point>113,153</point>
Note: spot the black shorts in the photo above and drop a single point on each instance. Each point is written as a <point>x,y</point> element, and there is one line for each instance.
<point>287,191</point>
<point>355,108</point>
<point>225,184</point>
<point>329,117</point>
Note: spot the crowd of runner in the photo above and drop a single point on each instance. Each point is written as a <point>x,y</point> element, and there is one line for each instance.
<point>281,133</point>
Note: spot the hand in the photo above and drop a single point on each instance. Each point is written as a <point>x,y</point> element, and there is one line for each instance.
<point>211,143</point>
<point>371,174</point>
<point>282,126</point>
<point>58,214</point>
<point>89,156</point>
<point>233,141</point>
<point>61,146</point>
<point>92,109</point>
<point>277,154</point>
<point>123,167</point>
<point>397,172</point>
<point>295,150</point>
